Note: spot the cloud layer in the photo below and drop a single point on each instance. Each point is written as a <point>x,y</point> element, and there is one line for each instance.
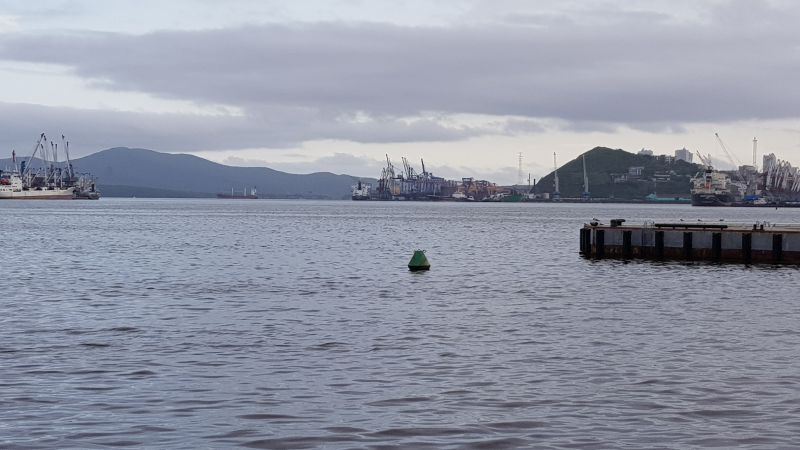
<point>370,82</point>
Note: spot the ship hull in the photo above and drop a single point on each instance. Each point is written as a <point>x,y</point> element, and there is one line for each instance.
<point>712,200</point>
<point>237,197</point>
<point>58,194</point>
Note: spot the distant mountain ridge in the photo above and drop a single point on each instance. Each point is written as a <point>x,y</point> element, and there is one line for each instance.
<point>129,172</point>
<point>126,172</point>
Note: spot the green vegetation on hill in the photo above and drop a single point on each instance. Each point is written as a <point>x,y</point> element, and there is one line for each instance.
<point>605,165</point>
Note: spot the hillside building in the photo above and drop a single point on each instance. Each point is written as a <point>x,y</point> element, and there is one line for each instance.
<point>683,155</point>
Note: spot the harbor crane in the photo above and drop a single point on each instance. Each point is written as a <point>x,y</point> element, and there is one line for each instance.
<point>731,158</point>
<point>706,160</point>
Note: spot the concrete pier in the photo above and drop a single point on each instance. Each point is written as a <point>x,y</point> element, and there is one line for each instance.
<point>759,242</point>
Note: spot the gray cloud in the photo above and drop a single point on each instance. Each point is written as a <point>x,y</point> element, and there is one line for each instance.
<point>338,163</point>
<point>306,81</point>
<point>371,168</point>
<point>277,127</point>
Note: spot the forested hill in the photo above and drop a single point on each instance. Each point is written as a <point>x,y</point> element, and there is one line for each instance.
<point>611,175</point>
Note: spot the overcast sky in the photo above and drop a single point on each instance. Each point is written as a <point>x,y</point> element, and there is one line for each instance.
<point>327,85</point>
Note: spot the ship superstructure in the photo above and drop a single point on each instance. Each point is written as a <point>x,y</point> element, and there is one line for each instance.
<point>712,188</point>
<point>362,191</point>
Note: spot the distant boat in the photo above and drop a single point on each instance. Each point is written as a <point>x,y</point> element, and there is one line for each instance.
<point>245,194</point>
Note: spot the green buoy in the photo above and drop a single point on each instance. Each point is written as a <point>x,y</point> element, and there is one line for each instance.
<point>419,261</point>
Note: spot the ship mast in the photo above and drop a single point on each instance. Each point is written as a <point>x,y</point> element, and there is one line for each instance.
<point>69,162</point>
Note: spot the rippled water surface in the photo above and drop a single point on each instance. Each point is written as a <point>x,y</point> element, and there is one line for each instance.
<point>277,324</point>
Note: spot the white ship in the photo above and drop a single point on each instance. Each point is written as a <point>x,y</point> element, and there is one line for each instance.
<point>12,188</point>
<point>362,191</point>
<point>50,181</point>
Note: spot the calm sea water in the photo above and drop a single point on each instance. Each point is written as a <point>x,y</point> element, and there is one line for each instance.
<point>277,324</point>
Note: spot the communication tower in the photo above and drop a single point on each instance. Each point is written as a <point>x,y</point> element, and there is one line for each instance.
<point>556,192</point>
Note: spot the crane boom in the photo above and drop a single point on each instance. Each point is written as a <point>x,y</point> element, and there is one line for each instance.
<point>732,159</point>
<point>33,154</point>
<point>706,160</point>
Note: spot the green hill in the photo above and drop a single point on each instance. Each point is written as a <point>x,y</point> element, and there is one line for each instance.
<point>610,176</point>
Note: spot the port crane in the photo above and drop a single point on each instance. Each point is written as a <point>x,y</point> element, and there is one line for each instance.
<point>731,158</point>
<point>706,160</point>
<point>739,177</point>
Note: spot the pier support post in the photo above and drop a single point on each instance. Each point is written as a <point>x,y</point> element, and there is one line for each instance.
<point>627,250</point>
<point>777,248</point>
<point>747,247</point>
<point>659,244</point>
<point>599,243</point>
<point>587,242</point>
<point>716,247</point>
<point>583,241</point>
<point>687,245</point>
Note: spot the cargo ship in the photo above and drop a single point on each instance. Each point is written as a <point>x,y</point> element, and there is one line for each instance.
<point>12,188</point>
<point>249,194</point>
<point>50,181</point>
<point>712,188</point>
<point>778,184</point>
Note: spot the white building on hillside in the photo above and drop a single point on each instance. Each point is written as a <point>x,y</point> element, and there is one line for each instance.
<point>684,155</point>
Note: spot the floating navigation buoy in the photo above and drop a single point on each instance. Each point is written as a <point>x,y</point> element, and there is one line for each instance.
<point>419,261</point>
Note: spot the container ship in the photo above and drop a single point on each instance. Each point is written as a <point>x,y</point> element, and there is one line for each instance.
<point>50,181</point>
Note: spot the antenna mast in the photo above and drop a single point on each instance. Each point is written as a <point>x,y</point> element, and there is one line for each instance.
<point>520,180</point>
<point>755,146</point>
